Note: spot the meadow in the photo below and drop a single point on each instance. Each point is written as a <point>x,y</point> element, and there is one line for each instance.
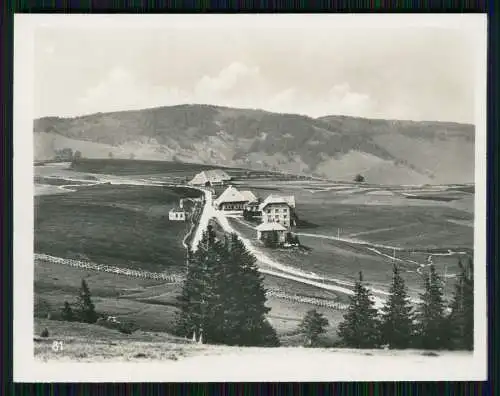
<point>113,224</point>
<point>127,225</point>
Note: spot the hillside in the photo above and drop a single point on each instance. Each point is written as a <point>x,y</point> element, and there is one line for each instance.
<point>335,147</point>
<point>185,361</point>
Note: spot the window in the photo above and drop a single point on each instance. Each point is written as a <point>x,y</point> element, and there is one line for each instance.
<point>284,216</point>
<point>268,210</point>
<point>285,210</point>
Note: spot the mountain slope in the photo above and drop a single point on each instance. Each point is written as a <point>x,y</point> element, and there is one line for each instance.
<point>335,147</point>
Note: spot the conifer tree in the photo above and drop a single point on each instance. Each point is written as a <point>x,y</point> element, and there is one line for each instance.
<point>67,313</point>
<point>85,307</point>
<point>396,328</point>
<point>248,298</point>
<point>188,320</point>
<point>360,328</point>
<point>312,326</point>
<point>432,327</point>
<point>223,296</point>
<point>461,318</point>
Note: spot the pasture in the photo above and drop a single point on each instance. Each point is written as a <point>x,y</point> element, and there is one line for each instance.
<point>123,225</point>
<point>150,304</point>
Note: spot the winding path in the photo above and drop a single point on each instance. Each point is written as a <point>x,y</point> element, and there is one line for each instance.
<point>283,271</point>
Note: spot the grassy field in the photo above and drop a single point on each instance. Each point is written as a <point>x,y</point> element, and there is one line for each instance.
<point>126,225</point>
<point>87,342</point>
<point>343,261</point>
<point>113,224</point>
<point>139,167</point>
<point>150,304</point>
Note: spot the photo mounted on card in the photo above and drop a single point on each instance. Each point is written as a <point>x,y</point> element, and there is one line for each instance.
<point>249,198</point>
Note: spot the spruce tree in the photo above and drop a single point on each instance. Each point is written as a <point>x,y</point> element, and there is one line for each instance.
<point>223,296</point>
<point>396,328</point>
<point>85,308</point>
<point>432,327</point>
<point>461,318</point>
<point>312,326</point>
<point>188,320</point>
<point>248,296</point>
<point>67,313</point>
<point>360,328</point>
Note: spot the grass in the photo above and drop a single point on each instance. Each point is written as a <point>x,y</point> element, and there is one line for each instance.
<point>113,224</point>
<point>342,260</point>
<point>87,342</point>
<point>149,304</point>
<point>140,167</point>
<point>56,182</point>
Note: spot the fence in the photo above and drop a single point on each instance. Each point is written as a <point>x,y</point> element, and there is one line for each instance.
<point>175,279</point>
<point>306,300</point>
<point>169,278</point>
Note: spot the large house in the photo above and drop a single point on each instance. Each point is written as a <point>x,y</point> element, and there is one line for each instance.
<point>233,200</point>
<point>210,178</point>
<point>278,209</point>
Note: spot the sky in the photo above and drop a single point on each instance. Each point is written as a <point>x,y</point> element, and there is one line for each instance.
<point>407,72</point>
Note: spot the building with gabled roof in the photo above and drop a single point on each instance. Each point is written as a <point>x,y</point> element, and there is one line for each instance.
<point>264,229</point>
<point>177,214</point>
<point>214,177</point>
<point>231,200</point>
<point>278,209</point>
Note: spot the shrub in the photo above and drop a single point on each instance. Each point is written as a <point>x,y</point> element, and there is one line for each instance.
<point>359,178</point>
<point>44,333</point>
<point>127,327</point>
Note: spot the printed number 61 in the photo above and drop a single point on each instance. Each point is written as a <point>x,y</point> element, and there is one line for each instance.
<point>57,346</point>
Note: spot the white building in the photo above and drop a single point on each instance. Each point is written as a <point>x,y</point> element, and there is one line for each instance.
<point>177,214</point>
<point>278,209</point>
<point>210,178</point>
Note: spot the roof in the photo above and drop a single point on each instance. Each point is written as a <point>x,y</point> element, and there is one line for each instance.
<point>230,194</point>
<point>177,210</point>
<point>276,199</point>
<point>213,176</point>
<point>270,227</point>
<point>250,196</point>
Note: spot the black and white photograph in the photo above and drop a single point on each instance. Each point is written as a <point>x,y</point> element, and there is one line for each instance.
<point>249,197</point>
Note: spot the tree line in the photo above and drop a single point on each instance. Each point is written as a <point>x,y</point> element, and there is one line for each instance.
<point>432,324</point>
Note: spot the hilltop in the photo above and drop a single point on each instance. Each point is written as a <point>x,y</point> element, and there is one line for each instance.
<point>333,147</point>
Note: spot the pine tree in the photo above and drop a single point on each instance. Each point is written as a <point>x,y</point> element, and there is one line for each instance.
<point>67,313</point>
<point>396,328</point>
<point>360,328</point>
<point>192,298</point>
<point>248,297</point>
<point>312,326</point>
<point>223,296</point>
<point>461,318</point>
<point>432,327</point>
<point>85,308</point>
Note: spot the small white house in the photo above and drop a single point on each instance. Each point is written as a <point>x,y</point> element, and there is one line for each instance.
<point>177,214</point>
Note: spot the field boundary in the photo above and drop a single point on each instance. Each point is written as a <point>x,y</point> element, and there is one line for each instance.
<point>174,279</point>
<point>169,278</point>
